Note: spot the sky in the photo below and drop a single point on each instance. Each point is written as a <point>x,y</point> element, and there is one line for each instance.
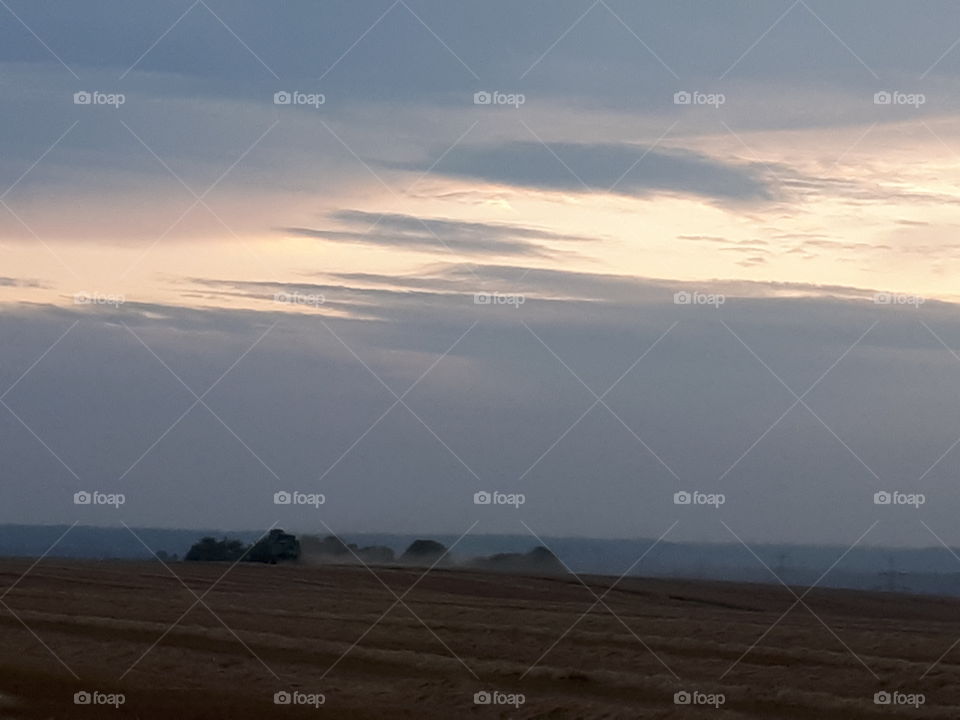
<point>401,252</point>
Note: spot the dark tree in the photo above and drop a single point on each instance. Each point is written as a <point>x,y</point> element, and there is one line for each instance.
<point>212,550</point>
<point>423,551</point>
<point>274,547</point>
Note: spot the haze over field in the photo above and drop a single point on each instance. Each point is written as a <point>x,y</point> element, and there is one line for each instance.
<point>399,253</point>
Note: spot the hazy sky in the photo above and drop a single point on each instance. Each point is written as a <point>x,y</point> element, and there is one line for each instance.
<point>281,295</point>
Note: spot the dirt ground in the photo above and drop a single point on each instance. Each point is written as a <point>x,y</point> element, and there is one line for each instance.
<point>339,634</point>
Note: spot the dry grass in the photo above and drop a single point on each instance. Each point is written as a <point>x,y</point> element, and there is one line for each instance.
<point>303,624</point>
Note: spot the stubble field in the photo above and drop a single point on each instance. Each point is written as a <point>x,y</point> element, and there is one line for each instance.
<point>393,642</point>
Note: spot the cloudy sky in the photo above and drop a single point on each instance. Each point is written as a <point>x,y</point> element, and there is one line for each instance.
<point>401,252</point>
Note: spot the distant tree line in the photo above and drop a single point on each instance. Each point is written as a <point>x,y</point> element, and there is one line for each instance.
<point>279,546</point>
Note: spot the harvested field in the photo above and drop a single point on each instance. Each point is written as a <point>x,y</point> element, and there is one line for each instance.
<point>133,628</point>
